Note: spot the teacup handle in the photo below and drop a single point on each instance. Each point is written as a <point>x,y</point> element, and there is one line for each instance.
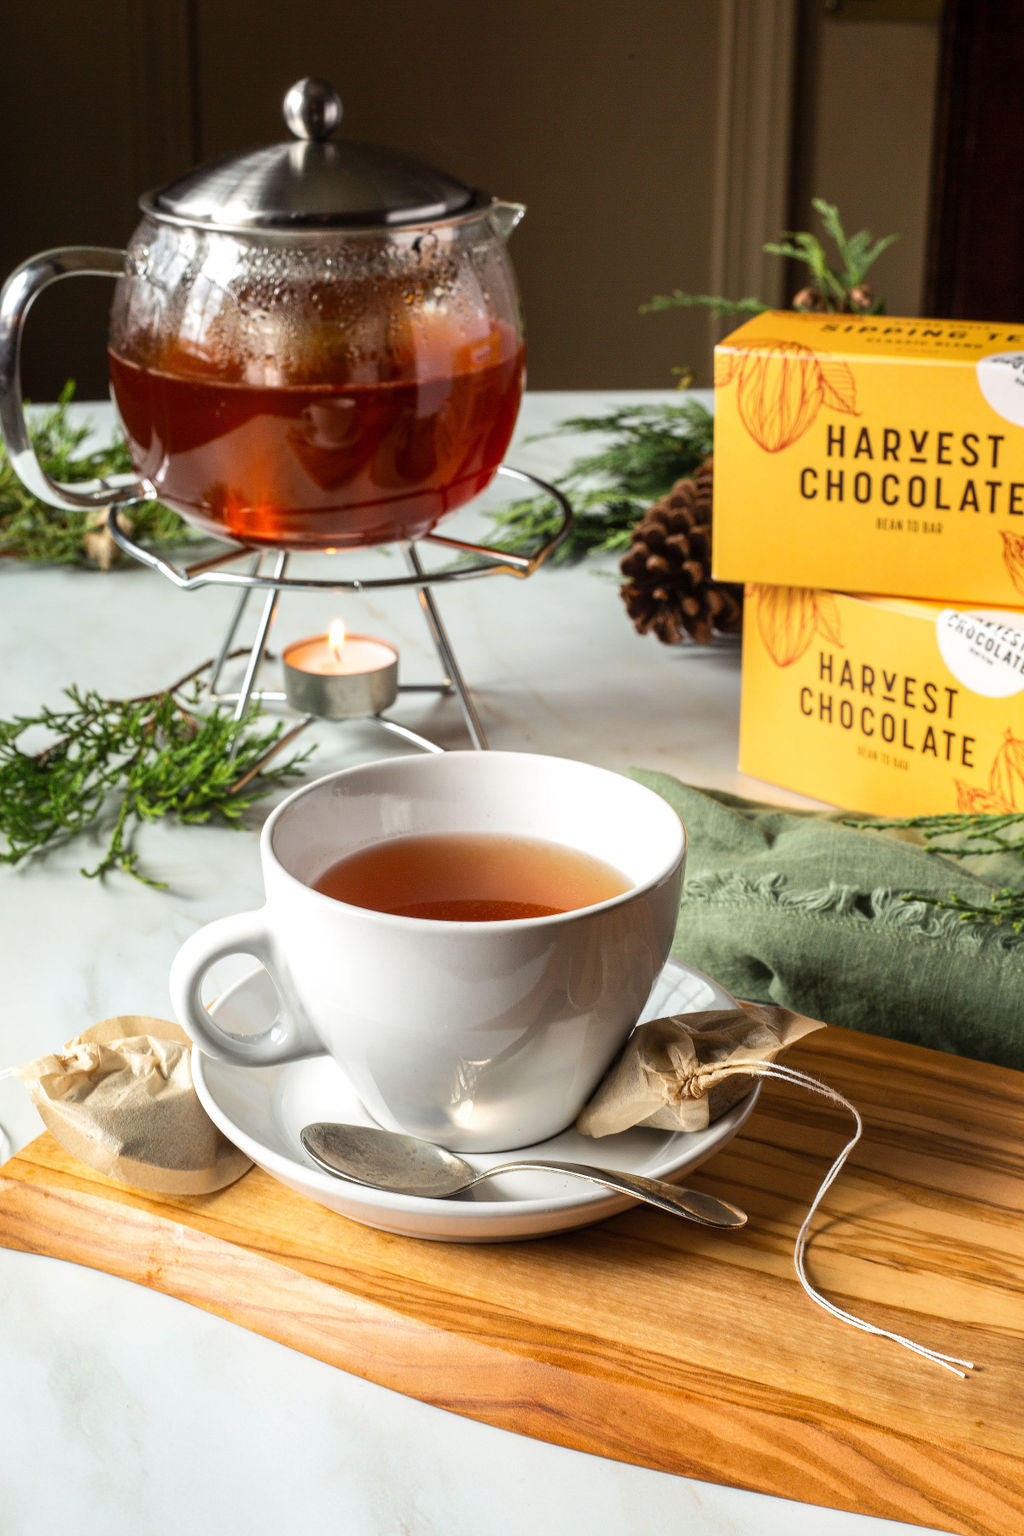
<point>288,1038</point>
<point>19,293</point>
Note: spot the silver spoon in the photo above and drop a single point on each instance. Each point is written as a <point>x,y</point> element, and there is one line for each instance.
<point>405,1165</point>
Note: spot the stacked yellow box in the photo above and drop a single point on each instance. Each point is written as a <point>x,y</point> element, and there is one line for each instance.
<point>869,490</point>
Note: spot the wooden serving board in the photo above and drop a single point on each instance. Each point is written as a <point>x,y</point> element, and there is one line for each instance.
<point>647,1339</point>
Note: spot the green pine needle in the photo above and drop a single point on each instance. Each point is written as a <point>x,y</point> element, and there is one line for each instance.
<point>960,833</point>
<point>114,764</point>
<point>718,306</point>
<point>963,834</point>
<point>1005,906</point>
<point>32,530</point>
<point>650,448</point>
<point>833,283</point>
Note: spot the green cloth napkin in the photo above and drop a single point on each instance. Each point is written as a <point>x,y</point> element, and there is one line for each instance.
<point>795,908</point>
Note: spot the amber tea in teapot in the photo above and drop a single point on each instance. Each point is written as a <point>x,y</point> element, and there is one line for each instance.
<point>326,464</point>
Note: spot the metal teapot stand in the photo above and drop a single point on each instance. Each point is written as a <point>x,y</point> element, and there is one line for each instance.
<point>478,560</point>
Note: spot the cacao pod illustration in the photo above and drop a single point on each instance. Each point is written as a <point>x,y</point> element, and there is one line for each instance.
<point>826,617</point>
<point>781,387</point>
<point>1006,779</point>
<point>725,367</point>
<point>1013,557</point>
<point>788,619</point>
<point>976,801</point>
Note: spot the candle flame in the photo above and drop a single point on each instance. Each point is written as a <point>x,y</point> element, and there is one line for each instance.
<point>336,638</point>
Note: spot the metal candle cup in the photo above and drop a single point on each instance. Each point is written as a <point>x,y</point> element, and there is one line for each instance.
<point>340,683</point>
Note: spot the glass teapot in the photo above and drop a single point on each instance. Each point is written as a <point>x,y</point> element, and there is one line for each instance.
<point>313,345</point>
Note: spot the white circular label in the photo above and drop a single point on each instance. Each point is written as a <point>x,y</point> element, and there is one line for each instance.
<point>1001,380</point>
<point>986,655</point>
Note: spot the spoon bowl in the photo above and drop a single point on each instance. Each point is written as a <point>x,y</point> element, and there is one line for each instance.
<point>406,1165</point>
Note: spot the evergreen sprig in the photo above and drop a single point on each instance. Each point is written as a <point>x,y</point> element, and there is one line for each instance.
<point>836,287</point>
<point>651,447</point>
<point>32,530</point>
<point>718,306</point>
<point>1005,906</point>
<point>964,834</point>
<point>972,832</point>
<point>118,763</point>
<point>857,254</point>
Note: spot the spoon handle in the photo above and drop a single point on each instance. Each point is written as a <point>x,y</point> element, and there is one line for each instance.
<point>692,1203</point>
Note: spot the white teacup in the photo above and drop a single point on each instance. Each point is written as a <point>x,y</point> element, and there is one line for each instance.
<point>479,1035</point>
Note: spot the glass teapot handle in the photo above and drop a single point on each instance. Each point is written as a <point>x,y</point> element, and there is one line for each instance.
<point>19,293</point>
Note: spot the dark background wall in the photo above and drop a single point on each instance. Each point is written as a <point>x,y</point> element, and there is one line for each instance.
<point>602,116</point>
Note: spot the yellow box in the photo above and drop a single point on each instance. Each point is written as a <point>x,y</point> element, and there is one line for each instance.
<point>871,454</point>
<point>883,705</point>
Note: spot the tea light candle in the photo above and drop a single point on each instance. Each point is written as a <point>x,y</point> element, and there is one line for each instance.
<point>338,676</point>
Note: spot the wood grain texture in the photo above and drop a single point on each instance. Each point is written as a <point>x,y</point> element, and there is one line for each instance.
<point>650,1340</point>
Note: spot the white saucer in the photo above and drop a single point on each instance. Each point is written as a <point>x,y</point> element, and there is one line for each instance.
<point>263,1109</point>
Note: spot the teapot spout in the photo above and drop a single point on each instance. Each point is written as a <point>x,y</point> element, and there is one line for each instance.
<point>503,217</point>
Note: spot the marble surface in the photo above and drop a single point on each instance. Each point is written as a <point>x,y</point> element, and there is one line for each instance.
<point>128,1413</point>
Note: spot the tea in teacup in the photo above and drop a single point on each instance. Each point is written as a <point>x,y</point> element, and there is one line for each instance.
<point>471,877</point>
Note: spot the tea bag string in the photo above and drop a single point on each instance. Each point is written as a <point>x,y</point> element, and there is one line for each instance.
<point>950,1363</point>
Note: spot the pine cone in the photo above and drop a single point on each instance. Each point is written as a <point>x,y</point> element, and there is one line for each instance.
<point>669,588</point>
<point>810,300</point>
<point>97,540</point>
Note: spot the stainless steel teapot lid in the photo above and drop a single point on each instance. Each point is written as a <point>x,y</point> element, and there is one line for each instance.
<point>311,182</point>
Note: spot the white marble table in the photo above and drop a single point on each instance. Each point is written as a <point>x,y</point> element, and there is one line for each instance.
<point>127,1413</point>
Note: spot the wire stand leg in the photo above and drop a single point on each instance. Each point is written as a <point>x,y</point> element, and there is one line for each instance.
<point>229,639</point>
<point>260,642</point>
<point>445,652</point>
<point>406,734</point>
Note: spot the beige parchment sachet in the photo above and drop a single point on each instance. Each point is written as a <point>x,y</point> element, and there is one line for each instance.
<point>682,1072</point>
<point>120,1098</point>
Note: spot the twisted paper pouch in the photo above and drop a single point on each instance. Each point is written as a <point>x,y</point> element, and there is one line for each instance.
<point>120,1098</point>
<point>683,1072</point>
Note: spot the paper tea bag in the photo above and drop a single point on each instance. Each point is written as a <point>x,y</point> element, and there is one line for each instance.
<point>120,1098</point>
<point>680,1073</point>
<point>683,1072</point>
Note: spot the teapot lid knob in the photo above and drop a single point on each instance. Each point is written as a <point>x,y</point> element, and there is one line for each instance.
<point>312,109</point>
<point>311,182</point>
